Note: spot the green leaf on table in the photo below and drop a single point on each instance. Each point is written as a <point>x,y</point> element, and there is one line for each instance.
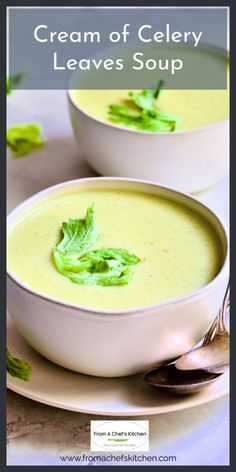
<point>105,266</point>
<point>13,81</point>
<point>24,138</point>
<point>17,367</point>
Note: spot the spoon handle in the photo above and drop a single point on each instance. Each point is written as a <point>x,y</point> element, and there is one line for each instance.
<point>218,325</point>
<point>221,328</point>
<point>211,332</point>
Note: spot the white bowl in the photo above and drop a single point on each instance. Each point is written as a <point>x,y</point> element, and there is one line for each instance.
<point>116,343</point>
<point>189,161</point>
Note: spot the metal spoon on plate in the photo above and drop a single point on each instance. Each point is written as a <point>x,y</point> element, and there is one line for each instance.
<point>199,368</point>
<point>213,355</point>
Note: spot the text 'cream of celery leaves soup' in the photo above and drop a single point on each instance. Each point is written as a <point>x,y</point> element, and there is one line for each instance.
<point>162,249</point>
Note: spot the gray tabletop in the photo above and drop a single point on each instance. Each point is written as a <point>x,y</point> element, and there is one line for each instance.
<point>39,434</point>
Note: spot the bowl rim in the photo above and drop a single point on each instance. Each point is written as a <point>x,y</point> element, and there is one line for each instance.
<point>139,310</point>
<point>205,47</point>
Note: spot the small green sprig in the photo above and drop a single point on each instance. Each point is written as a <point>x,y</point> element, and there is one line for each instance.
<point>147,117</point>
<point>13,81</point>
<point>17,367</point>
<point>24,138</point>
<point>105,266</point>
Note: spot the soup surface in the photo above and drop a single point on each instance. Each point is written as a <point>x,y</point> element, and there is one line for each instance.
<point>196,108</point>
<point>179,250</point>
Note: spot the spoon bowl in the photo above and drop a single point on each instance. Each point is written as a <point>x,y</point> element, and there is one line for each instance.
<point>212,357</point>
<point>177,382</point>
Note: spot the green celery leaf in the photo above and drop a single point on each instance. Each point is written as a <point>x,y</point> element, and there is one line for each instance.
<point>123,121</point>
<point>143,122</point>
<point>123,112</point>
<point>155,125</point>
<point>17,368</point>
<point>99,267</point>
<point>78,235</point>
<point>115,274</point>
<point>13,81</point>
<point>122,115</point>
<point>24,138</point>
<point>105,266</point>
<point>121,255</point>
<point>149,117</point>
<point>146,99</point>
<point>174,120</point>
<point>70,263</point>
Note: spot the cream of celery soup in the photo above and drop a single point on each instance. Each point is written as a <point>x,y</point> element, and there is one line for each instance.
<point>195,108</point>
<point>177,250</point>
<point>167,110</point>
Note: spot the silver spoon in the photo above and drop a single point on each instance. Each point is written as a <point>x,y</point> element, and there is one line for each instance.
<point>213,355</point>
<point>179,382</point>
<point>182,382</point>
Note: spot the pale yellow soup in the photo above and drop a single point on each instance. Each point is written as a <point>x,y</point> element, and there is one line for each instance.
<point>179,251</point>
<point>196,108</point>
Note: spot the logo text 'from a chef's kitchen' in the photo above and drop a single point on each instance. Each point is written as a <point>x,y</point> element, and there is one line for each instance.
<point>119,436</point>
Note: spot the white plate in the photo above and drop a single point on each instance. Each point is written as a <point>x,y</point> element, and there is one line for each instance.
<point>127,396</point>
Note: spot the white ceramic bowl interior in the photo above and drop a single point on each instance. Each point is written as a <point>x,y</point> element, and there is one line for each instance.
<point>113,343</point>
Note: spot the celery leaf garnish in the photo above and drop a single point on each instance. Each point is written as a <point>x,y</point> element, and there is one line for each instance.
<point>148,116</point>
<point>105,266</point>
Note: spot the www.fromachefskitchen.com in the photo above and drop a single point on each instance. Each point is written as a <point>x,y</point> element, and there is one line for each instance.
<point>130,458</point>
